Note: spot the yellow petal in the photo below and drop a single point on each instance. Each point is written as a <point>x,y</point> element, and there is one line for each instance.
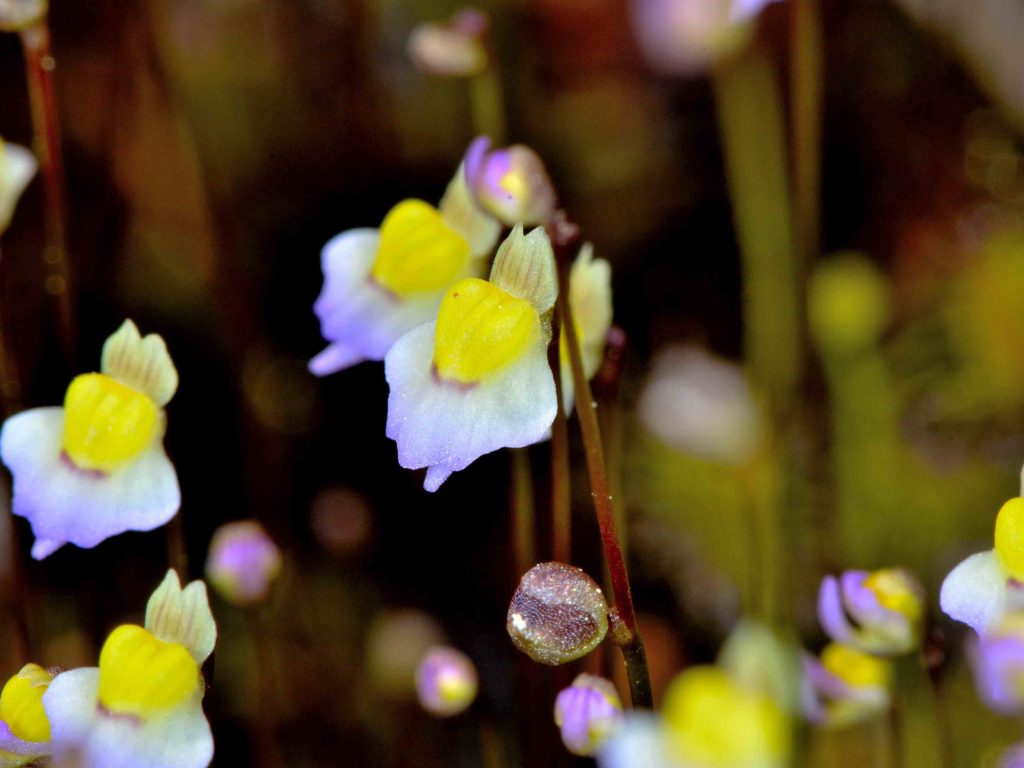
<point>143,676</point>
<point>418,251</point>
<point>21,704</point>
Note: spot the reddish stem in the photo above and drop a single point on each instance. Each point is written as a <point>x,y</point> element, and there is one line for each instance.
<point>39,66</point>
<point>561,509</point>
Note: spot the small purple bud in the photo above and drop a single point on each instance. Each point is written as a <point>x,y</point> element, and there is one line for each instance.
<point>243,562</point>
<point>510,183</point>
<point>446,682</point>
<point>557,614</point>
<point>588,712</point>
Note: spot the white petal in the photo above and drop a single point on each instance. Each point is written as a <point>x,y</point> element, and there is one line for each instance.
<point>65,504</point>
<point>357,316</point>
<point>975,592</point>
<point>444,426</point>
<point>639,743</point>
<point>182,616</point>
<point>178,739</point>
<point>17,167</point>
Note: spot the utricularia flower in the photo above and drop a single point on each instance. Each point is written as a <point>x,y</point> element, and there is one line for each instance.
<point>587,713</point>
<point>687,36</point>
<point>446,681</point>
<point>988,584</point>
<point>454,49</point>
<point>243,562</point>
<point>997,659</point>
<point>96,467</point>
<point>879,612</point>
<point>510,183</point>
<point>17,167</point>
<point>710,720</point>
<point>477,378</point>
<point>142,707</point>
<point>381,283</point>
<point>24,727</point>
<point>845,685</point>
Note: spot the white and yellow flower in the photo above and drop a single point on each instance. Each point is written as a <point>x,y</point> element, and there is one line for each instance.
<point>24,727</point>
<point>590,296</point>
<point>96,467</point>
<point>477,378</point>
<point>985,586</point>
<point>142,707</point>
<point>17,167</point>
<point>381,283</point>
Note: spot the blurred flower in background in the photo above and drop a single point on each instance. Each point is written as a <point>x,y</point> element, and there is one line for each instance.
<point>879,612</point>
<point>446,681</point>
<point>17,167</point>
<point>845,686</point>
<point>588,712</point>
<point>243,562</point>
<point>510,183</point>
<point>453,49</point>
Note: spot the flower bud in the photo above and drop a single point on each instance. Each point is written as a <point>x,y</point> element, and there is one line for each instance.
<point>446,682</point>
<point>848,304</point>
<point>845,686</point>
<point>588,712</point>
<point>16,15</point>
<point>997,660</point>
<point>454,49</point>
<point>557,614</point>
<point>243,562</point>
<point>510,183</point>
<point>879,612</point>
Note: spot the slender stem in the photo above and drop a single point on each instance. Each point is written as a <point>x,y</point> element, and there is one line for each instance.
<point>10,382</point>
<point>606,390</point>
<point>39,65</point>
<point>944,734</point>
<point>626,634</point>
<point>806,67</point>
<point>19,592</point>
<point>491,749</point>
<point>522,513</point>
<point>561,494</point>
<point>265,725</point>
<point>487,105</point>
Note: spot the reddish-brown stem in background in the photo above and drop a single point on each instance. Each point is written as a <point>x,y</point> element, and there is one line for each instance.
<point>523,521</point>
<point>561,509</point>
<point>565,239</point>
<point>39,66</point>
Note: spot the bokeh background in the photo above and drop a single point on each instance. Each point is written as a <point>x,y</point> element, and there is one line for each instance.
<point>213,146</point>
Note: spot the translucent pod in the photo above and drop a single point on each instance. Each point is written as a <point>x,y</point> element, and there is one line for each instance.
<point>557,614</point>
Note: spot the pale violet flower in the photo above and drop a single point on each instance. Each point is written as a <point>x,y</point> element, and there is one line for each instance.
<point>142,707</point>
<point>688,36</point>
<point>510,183</point>
<point>24,728</point>
<point>997,661</point>
<point>700,404</point>
<point>845,686</point>
<point>17,167</point>
<point>879,612</point>
<point>986,585</point>
<point>454,49</point>
<point>96,467</point>
<point>446,681</point>
<point>641,742</point>
<point>381,283</point>
<point>477,378</point>
<point>587,713</point>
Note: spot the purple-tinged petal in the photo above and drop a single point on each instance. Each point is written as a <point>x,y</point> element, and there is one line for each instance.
<point>17,752</point>
<point>444,426</point>
<point>67,505</point>
<point>975,592</point>
<point>831,613</point>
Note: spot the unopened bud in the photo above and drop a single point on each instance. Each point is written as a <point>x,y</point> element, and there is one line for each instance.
<point>588,712</point>
<point>243,562</point>
<point>454,49</point>
<point>557,614</point>
<point>510,183</point>
<point>446,681</point>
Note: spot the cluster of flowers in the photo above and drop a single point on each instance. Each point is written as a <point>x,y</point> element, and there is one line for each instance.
<point>141,707</point>
<point>465,357</point>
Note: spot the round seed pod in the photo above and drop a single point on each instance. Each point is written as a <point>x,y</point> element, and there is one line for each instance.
<point>557,614</point>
